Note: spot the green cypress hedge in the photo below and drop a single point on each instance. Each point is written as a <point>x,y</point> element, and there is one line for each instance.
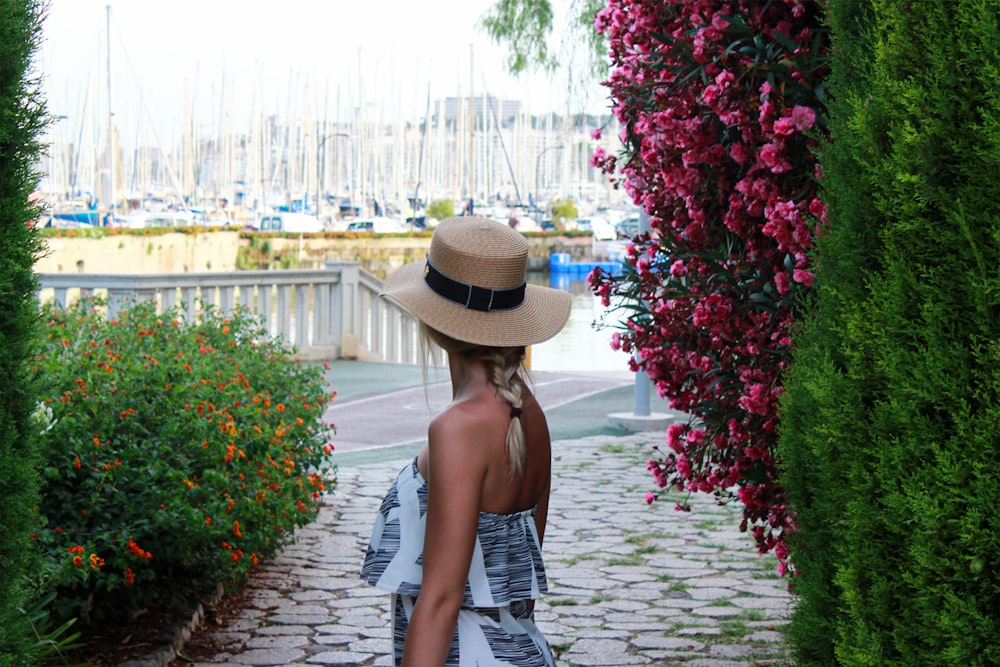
<point>22,119</point>
<point>822,405</point>
<point>892,413</point>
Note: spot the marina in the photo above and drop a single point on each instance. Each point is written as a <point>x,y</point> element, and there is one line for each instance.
<point>354,158</point>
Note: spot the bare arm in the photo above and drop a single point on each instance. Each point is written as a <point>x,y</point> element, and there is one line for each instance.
<point>542,514</point>
<point>456,469</point>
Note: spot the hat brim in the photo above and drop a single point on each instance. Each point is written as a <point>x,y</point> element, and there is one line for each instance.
<point>541,316</point>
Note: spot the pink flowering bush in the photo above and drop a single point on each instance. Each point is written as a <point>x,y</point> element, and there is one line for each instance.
<point>721,105</point>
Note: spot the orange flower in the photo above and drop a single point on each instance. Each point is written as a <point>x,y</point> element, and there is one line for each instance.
<point>208,521</point>
<point>139,551</point>
<point>129,576</point>
<point>76,462</point>
<point>236,530</point>
<point>281,407</point>
<point>96,562</point>
<point>78,561</point>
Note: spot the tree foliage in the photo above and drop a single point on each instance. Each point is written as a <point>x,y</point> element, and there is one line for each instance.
<point>441,209</point>
<point>526,28</point>
<point>563,210</point>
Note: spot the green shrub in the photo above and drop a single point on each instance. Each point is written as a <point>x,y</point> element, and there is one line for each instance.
<point>441,209</point>
<point>178,453</point>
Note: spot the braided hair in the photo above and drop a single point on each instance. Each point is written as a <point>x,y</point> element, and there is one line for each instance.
<point>505,366</point>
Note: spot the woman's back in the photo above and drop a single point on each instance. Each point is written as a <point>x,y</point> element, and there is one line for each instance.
<point>481,424</point>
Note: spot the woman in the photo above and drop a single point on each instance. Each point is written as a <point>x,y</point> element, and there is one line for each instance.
<point>458,537</point>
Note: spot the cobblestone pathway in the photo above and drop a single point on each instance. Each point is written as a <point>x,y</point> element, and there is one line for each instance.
<point>630,584</point>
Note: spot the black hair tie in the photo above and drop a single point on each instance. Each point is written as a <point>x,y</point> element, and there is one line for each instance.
<point>515,413</point>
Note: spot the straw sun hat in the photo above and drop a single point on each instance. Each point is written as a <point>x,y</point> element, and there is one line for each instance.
<point>472,287</point>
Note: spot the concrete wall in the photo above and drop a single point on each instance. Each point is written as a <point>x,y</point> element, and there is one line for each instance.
<point>129,254</point>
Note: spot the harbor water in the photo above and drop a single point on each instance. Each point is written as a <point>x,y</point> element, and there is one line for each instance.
<point>580,345</point>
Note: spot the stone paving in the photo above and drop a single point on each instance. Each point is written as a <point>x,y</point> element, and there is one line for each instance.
<point>630,584</point>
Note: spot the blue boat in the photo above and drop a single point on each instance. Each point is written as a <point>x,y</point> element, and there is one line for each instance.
<point>88,217</point>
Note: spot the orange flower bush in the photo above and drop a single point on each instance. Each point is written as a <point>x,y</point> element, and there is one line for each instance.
<point>178,453</point>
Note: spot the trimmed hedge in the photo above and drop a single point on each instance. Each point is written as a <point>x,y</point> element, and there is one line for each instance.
<point>22,120</point>
<point>891,415</point>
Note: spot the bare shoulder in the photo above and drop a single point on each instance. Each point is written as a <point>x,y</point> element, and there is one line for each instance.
<point>455,438</point>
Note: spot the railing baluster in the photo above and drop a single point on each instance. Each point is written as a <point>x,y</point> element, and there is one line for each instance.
<point>168,298</point>
<point>325,313</point>
<point>227,297</point>
<point>323,309</point>
<point>284,313</point>
<point>302,322</point>
<point>265,294</point>
<point>189,296</point>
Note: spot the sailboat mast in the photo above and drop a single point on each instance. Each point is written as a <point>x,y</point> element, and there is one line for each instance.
<point>420,154</point>
<point>111,152</point>
<point>471,154</point>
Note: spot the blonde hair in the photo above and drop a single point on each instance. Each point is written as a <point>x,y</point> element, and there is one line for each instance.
<point>506,369</point>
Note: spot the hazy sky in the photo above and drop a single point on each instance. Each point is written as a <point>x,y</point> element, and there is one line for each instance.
<point>296,58</point>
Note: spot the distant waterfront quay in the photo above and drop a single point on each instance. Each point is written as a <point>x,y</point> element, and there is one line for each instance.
<point>337,301</point>
<point>219,250</point>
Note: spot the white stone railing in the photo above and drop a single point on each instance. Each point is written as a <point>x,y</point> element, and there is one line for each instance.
<point>343,316</point>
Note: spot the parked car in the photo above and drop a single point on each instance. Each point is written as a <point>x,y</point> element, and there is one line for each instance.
<point>284,221</point>
<point>376,226</point>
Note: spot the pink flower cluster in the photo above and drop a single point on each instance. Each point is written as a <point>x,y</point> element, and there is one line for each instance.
<point>720,104</point>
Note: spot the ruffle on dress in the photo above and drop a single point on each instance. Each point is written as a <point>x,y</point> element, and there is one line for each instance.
<point>506,562</point>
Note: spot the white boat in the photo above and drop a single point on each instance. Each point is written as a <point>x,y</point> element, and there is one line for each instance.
<point>155,219</point>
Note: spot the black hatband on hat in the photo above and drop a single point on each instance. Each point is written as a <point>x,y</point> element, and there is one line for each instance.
<point>472,296</point>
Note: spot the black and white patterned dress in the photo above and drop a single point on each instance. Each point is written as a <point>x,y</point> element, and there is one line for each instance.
<point>496,626</point>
